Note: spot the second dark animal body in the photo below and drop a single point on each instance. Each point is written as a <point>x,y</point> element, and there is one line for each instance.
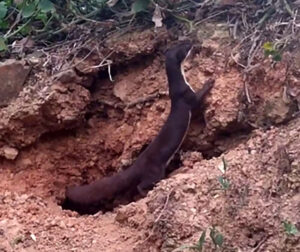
<point>150,166</point>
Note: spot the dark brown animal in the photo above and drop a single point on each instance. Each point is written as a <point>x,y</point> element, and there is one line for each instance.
<point>150,166</point>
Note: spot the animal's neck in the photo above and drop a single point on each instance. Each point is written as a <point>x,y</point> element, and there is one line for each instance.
<point>176,79</point>
<point>174,74</point>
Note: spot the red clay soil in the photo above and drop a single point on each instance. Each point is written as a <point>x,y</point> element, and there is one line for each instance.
<point>116,120</point>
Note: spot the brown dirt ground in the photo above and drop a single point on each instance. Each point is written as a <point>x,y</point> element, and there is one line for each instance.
<point>263,166</point>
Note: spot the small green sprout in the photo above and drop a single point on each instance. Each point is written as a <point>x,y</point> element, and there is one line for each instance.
<point>216,237</point>
<point>224,183</point>
<point>290,228</point>
<point>196,247</point>
<point>270,50</point>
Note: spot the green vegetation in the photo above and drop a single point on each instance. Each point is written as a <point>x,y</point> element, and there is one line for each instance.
<point>20,18</point>
<point>45,18</point>
<point>290,228</point>
<point>270,50</point>
<point>196,247</point>
<point>225,184</point>
<point>216,237</point>
<point>45,22</point>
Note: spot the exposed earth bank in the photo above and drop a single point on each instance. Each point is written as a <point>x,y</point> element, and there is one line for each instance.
<point>77,125</point>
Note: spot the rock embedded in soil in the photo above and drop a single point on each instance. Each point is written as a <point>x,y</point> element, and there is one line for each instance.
<point>10,153</point>
<point>13,74</point>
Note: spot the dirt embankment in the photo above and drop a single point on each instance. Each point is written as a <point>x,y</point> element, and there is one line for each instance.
<point>83,126</point>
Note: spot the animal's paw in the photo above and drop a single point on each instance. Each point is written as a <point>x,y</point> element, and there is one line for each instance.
<point>141,191</point>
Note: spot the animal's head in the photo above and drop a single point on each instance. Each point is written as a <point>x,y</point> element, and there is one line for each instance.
<point>178,53</point>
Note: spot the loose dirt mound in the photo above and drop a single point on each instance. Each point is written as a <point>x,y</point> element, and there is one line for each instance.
<point>264,192</point>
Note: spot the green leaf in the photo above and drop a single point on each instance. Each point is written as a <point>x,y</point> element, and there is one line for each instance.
<point>25,30</point>
<point>216,237</point>
<point>276,57</point>
<point>3,10</point>
<point>219,239</point>
<point>268,46</point>
<point>28,9</point>
<point>3,46</point>
<point>140,5</point>
<point>290,228</point>
<point>201,241</point>
<point>268,53</point>
<point>46,6</point>
<point>42,16</point>
<point>224,182</point>
<point>4,24</point>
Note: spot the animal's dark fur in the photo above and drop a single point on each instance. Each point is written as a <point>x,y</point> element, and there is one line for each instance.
<point>149,168</point>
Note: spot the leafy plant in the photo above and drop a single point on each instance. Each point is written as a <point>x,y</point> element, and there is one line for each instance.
<point>224,183</point>
<point>3,10</point>
<point>197,247</point>
<point>270,50</point>
<point>3,46</point>
<point>216,237</point>
<point>16,17</point>
<point>290,228</point>
<point>44,18</point>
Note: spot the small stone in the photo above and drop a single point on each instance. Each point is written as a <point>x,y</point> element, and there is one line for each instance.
<point>190,188</point>
<point>33,237</point>
<point>13,74</point>
<point>60,88</point>
<point>121,217</point>
<point>66,76</point>
<point>62,225</point>
<point>23,198</point>
<point>125,162</point>
<point>10,153</point>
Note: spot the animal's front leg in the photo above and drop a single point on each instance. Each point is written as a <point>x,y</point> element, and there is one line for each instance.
<point>206,88</point>
<point>150,178</point>
<point>141,191</point>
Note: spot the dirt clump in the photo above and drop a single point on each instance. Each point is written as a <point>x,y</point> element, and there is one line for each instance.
<point>37,111</point>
